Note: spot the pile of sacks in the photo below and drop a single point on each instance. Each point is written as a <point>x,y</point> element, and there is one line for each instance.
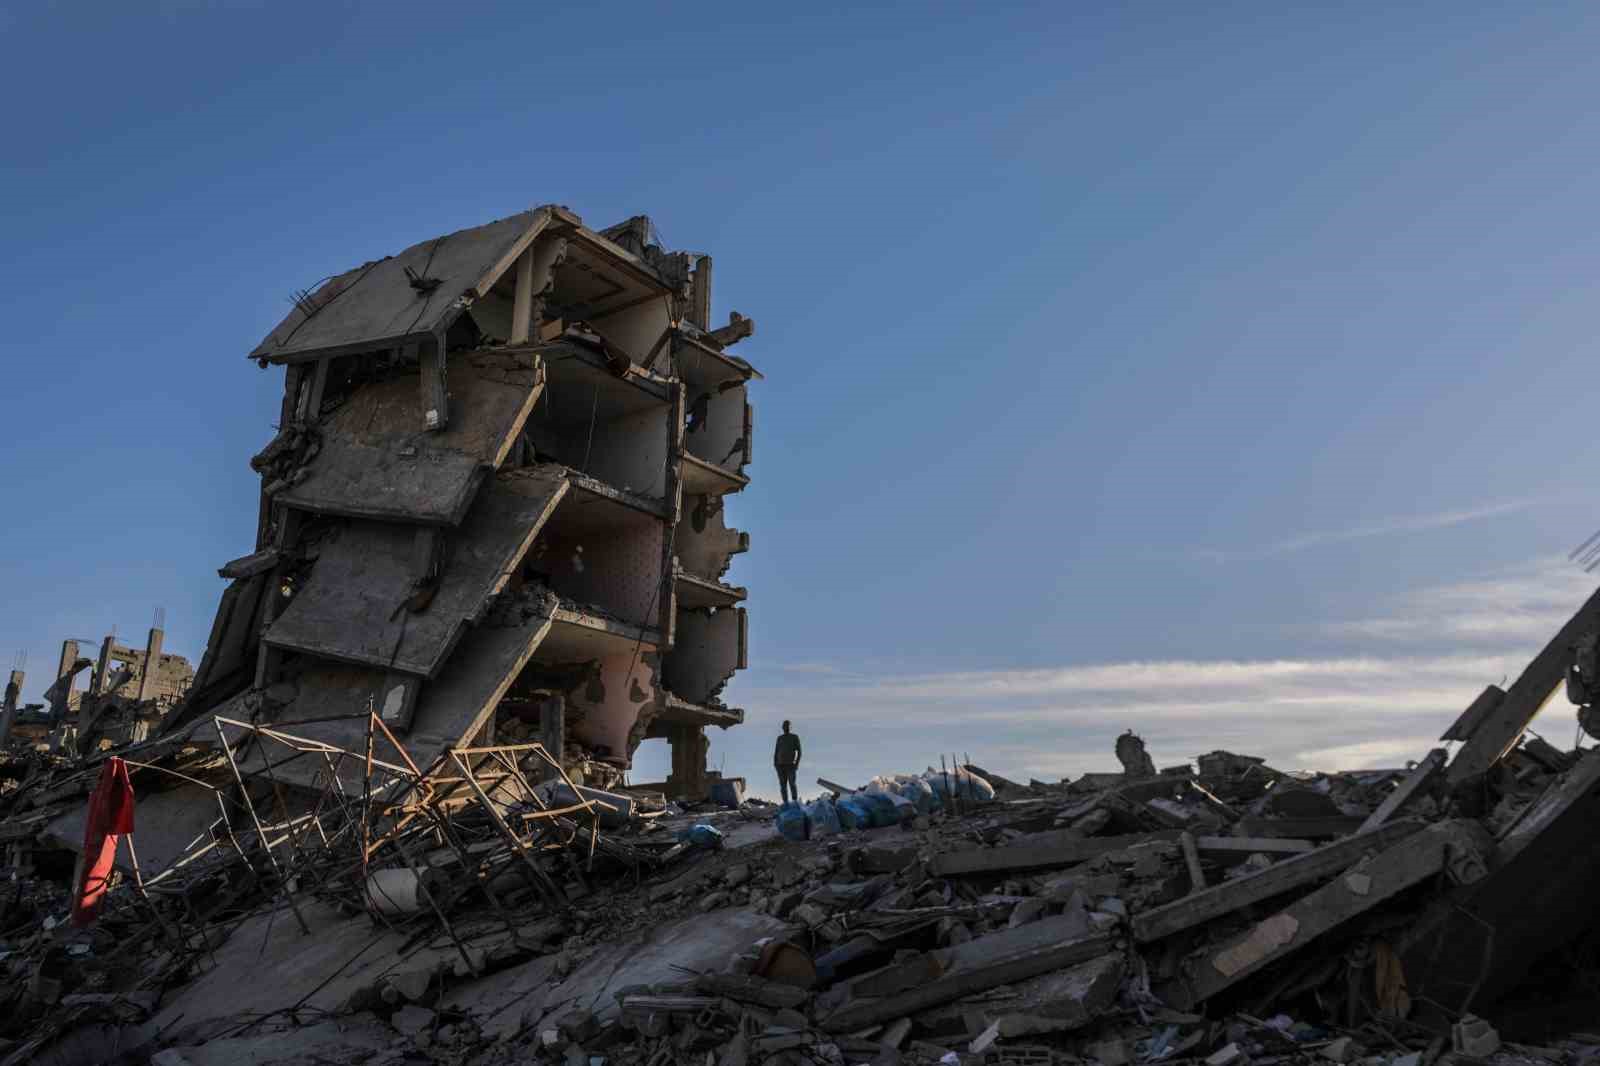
<point>883,801</point>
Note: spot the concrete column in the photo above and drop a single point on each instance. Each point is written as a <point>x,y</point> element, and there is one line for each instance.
<point>8,709</point>
<point>553,729</point>
<point>689,746</point>
<point>61,693</point>
<point>102,666</point>
<point>152,666</point>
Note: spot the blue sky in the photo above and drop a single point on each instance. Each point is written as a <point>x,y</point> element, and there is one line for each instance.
<point>1106,346</point>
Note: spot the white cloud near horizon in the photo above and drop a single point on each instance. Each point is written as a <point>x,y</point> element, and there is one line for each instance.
<point>1379,706</point>
<point>1380,528</point>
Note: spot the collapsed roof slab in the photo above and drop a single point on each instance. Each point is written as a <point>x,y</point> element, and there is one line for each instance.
<point>677,711</point>
<point>451,709</point>
<point>378,461</point>
<point>353,607</point>
<point>695,591</point>
<point>403,298</point>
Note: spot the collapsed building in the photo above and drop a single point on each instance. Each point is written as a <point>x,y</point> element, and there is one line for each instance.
<point>129,692</point>
<point>493,509</point>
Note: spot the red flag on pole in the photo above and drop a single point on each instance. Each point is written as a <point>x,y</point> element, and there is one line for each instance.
<point>110,816</point>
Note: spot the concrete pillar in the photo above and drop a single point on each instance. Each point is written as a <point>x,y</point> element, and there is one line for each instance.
<point>152,666</point>
<point>61,692</point>
<point>553,729</point>
<point>8,709</point>
<point>102,666</point>
<point>689,747</point>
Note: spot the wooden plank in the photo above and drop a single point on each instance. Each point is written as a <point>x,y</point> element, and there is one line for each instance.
<point>356,606</point>
<point>1281,877</point>
<point>1361,888</point>
<point>1191,858</point>
<point>1502,726</point>
<point>1027,856</point>
<point>953,986</point>
<point>1407,790</point>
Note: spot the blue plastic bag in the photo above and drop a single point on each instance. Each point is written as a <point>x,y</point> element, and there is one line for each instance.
<point>824,817</point>
<point>792,822</point>
<point>702,836</point>
<point>853,813</point>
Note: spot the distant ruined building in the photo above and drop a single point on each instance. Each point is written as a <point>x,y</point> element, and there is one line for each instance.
<point>493,510</point>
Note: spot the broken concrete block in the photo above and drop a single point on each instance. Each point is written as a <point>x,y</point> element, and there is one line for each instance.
<point>1027,911</point>
<point>1474,1036</point>
<point>412,1020</point>
<point>169,1057</point>
<point>985,1040</point>
<point>1226,1056</point>
<point>784,903</point>
<point>1065,999</point>
<point>810,914</point>
<point>895,1033</point>
<point>1344,1049</point>
<point>736,875</point>
<point>713,900</point>
<point>1112,1052</point>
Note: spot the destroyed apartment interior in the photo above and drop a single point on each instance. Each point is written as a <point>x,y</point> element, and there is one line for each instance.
<point>392,815</point>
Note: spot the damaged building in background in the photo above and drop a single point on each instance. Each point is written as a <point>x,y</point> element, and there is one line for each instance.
<point>128,693</point>
<point>493,510</point>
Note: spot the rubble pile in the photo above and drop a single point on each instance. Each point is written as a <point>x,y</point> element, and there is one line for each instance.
<point>1235,914</point>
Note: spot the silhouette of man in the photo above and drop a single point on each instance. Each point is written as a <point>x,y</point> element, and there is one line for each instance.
<point>786,760</point>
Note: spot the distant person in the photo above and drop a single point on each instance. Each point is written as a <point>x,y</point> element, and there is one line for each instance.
<point>786,760</point>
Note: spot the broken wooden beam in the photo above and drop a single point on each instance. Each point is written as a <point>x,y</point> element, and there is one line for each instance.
<point>1500,727</point>
<point>1399,866</point>
<point>1028,856</point>
<point>858,1014</point>
<point>1408,789</point>
<point>1304,869</point>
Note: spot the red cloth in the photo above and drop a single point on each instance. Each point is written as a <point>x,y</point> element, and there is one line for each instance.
<point>110,816</point>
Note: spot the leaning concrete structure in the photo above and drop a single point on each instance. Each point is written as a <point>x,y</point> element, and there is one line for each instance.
<point>494,503</point>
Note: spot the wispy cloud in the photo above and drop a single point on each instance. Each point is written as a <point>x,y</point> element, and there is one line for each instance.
<point>1522,605</point>
<point>1385,527</point>
<point>1380,705</point>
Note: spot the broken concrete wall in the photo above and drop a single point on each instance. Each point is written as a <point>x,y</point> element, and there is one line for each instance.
<point>711,646</point>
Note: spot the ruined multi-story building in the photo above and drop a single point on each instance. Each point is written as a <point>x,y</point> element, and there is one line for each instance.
<point>494,505</point>
<point>129,691</point>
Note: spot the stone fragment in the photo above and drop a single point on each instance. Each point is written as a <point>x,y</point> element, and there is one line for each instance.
<point>412,1021</point>
<point>1027,911</point>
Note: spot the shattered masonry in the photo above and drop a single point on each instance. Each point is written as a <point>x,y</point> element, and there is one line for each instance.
<point>494,506</point>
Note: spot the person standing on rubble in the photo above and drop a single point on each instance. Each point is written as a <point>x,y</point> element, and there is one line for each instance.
<point>786,760</point>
